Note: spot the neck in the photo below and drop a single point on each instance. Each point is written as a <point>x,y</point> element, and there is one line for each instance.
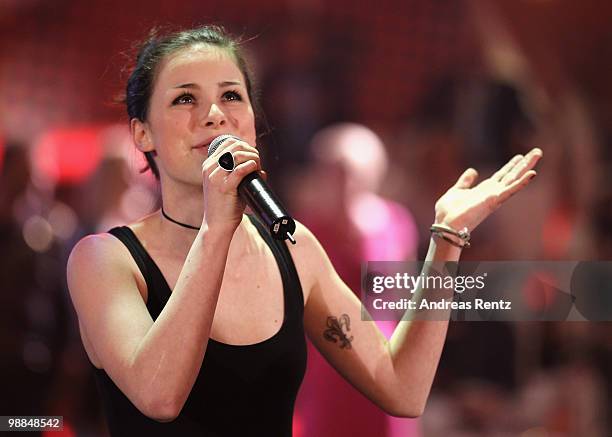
<point>183,203</point>
<point>176,222</point>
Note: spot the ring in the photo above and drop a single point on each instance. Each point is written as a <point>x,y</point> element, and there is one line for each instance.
<point>226,161</point>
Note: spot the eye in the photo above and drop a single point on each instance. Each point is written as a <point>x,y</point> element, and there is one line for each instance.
<point>184,99</point>
<point>232,96</point>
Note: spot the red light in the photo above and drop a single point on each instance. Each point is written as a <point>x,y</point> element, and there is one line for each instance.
<point>67,431</point>
<point>557,233</point>
<point>68,155</point>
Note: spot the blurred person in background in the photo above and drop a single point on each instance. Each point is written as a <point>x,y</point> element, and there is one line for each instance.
<point>184,314</point>
<point>530,92</point>
<point>33,317</point>
<point>43,358</point>
<point>336,196</point>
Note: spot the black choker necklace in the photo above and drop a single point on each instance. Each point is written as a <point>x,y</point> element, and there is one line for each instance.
<point>177,222</point>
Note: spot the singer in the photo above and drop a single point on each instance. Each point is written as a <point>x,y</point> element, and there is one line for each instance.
<point>193,317</point>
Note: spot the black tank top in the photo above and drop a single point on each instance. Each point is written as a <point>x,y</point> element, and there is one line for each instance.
<point>240,390</point>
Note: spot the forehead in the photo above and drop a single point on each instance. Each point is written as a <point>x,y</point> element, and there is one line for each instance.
<point>198,64</point>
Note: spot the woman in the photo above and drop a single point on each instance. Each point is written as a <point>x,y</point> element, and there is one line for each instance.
<point>193,317</point>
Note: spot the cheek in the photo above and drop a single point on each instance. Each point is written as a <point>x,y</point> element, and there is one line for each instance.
<point>248,127</point>
<point>168,127</point>
<point>246,124</point>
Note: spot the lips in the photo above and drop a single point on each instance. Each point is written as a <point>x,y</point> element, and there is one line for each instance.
<point>206,143</point>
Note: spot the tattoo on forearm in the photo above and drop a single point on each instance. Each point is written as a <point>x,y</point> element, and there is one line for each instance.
<point>337,330</point>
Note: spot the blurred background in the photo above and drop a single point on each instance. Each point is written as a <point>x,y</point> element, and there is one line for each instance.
<point>373,111</point>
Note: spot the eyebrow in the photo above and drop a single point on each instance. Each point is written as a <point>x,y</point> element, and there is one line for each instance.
<point>225,83</point>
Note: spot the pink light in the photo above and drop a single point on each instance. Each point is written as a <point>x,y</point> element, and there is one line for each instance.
<point>539,291</point>
<point>298,425</point>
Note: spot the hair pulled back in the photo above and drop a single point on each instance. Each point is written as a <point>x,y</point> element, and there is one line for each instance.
<point>156,48</point>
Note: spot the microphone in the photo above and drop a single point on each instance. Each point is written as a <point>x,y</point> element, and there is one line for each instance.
<point>264,203</point>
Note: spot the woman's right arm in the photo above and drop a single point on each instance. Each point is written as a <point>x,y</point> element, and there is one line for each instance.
<point>153,363</point>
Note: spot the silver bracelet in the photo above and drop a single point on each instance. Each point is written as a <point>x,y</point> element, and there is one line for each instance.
<point>463,234</point>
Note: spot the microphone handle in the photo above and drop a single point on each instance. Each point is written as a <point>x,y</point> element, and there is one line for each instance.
<point>268,208</point>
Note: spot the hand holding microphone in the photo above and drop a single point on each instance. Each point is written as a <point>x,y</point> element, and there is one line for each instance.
<point>258,195</point>
<point>223,205</point>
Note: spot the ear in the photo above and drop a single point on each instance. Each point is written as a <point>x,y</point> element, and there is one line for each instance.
<point>141,135</point>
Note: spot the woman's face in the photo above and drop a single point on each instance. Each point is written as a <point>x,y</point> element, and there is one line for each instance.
<point>199,94</point>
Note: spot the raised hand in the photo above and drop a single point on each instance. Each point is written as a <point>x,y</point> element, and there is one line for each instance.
<point>223,205</point>
<point>465,205</point>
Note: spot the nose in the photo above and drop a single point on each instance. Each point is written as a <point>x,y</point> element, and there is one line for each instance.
<point>215,117</point>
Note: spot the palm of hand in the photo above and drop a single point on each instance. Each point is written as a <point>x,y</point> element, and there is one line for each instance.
<point>466,206</point>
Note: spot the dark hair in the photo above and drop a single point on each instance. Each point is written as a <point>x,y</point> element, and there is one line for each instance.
<point>156,48</point>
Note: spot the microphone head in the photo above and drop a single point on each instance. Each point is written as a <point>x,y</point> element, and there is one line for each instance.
<point>214,144</point>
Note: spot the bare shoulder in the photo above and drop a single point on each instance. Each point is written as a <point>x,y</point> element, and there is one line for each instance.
<point>95,244</point>
<point>96,252</point>
<point>311,260</point>
<point>306,242</point>
<point>98,260</point>
<point>102,254</point>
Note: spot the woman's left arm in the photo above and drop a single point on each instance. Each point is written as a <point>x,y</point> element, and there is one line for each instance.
<point>396,374</point>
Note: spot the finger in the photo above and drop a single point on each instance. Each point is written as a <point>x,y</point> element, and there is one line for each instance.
<point>516,186</point>
<point>499,174</point>
<point>527,163</point>
<point>467,178</point>
<point>208,166</point>
<point>241,171</point>
<point>222,148</point>
<point>227,182</point>
<point>217,176</point>
<point>264,175</point>
<point>241,145</point>
<point>244,156</point>
<point>232,145</point>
